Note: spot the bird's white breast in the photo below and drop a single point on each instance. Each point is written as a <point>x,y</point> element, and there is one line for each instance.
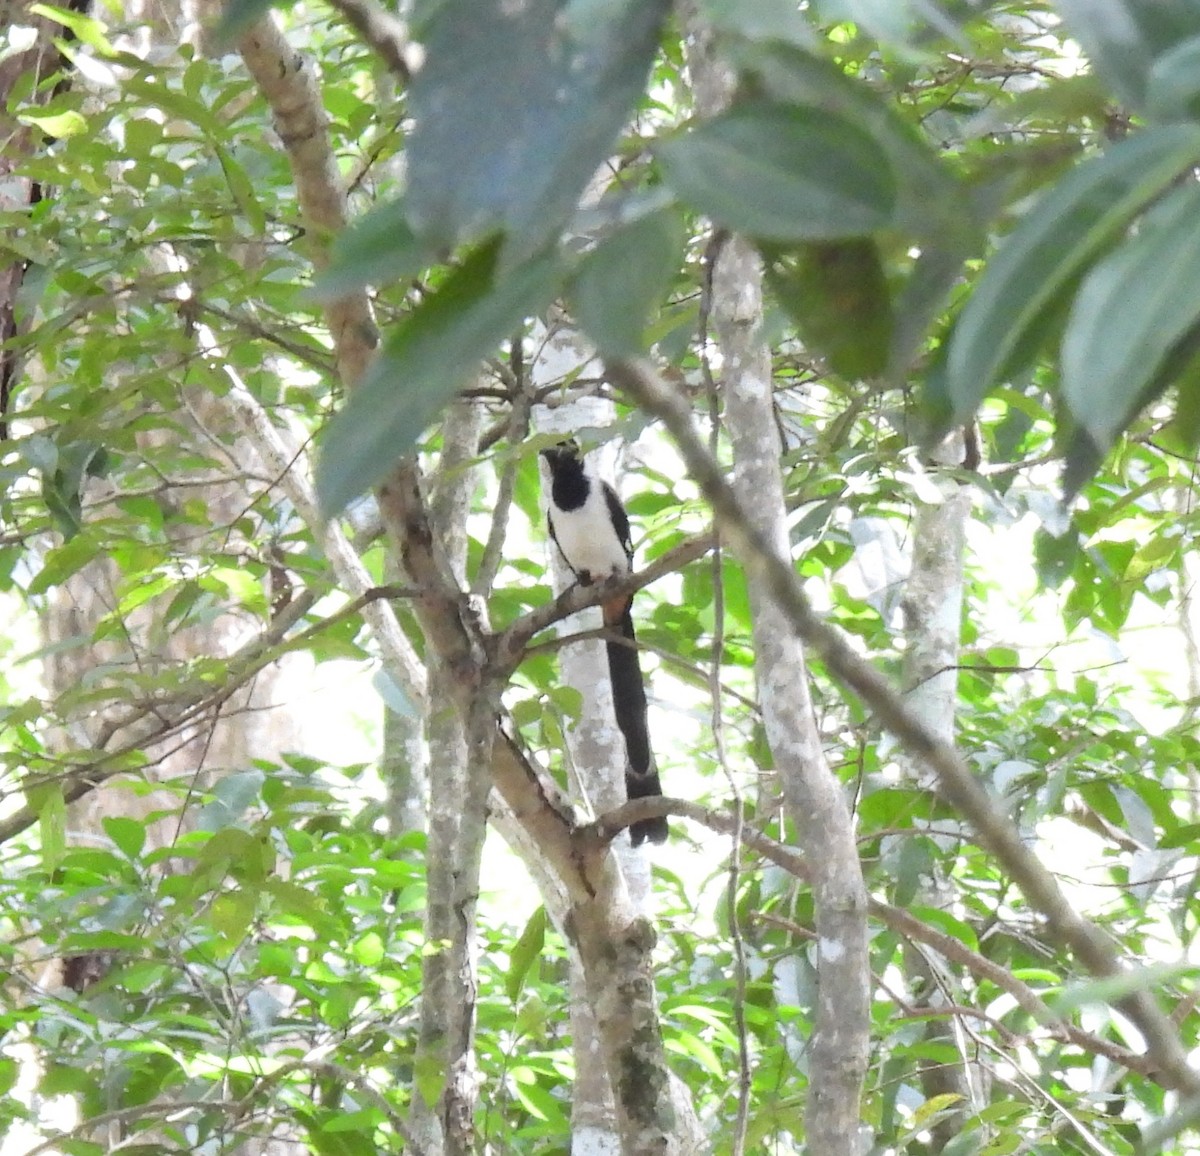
<point>587,538</point>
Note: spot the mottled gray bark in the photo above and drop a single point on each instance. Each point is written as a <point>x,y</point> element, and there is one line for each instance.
<point>595,750</point>
<point>404,769</point>
<point>813,796</point>
<point>457,825</point>
<point>615,945</point>
<point>932,606</point>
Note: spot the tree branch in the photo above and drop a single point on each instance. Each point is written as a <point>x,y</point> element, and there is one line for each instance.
<point>194,699</point>
<point>287,81</point>
<point>507,648</point>
<point>957,784</point>
<point>607,826</point>
<point>290,87</point>
<point>385,33</point>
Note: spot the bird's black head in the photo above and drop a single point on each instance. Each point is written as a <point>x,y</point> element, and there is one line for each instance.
<point>559,455</point>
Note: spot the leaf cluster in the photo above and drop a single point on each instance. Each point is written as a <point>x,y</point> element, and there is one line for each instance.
<point>263,969</point>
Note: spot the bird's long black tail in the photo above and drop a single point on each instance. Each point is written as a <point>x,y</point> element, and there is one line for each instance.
<point>629,698</point>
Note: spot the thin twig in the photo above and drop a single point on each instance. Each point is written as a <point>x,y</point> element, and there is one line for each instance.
<point>518,428</point>
<point>194,699</point>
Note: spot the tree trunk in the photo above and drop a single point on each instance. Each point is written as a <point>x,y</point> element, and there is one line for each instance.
<point>932,605</point>
<point>814,798</point>
<point>459,786</point>
<point>595,748</point>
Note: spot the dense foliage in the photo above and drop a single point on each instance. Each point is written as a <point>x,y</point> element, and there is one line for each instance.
<point>955,216</point>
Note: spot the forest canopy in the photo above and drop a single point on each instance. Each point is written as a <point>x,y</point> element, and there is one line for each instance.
<point>882,322</point>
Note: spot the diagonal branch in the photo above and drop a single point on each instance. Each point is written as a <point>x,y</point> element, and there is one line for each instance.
<point>956,782</point>
<point>152,721</point>
<point>606,827</point>
<point>507,647</point>
<point>288,83</point>
<point>287,462</point>
<point>385,33</point>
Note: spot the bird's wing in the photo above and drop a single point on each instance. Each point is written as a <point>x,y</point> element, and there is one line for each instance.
<point>620,519</point>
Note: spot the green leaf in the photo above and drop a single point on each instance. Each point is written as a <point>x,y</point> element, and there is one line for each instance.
<point>177,104</point>
<point>56,124</point>
<point>623,278</point>
<point>923,296</point>
<point>1083,458</point>
<point>431,355</point>
<point>233,795</point>
<point>930,201</point>
<point>539,1102</point>
<point>944,921</point>
<point>229,846</point>
<point>1183,368</point>
<point>365,1120</point>
<point>62,1079</point>
<point>301,903</point>
<point>242,189</point>
<point>932,206</point>
<point>242,587</point>
<point>516,107</point>
<point>376,249</point>
<point>240,14</point>
<point>1185,836</point>
<point>123,911</point>
<point>1001,327</point>
<point>63,489</point>
<point>1110,989</point>
<point>931,1109</point>
<point>892,22</point>
<point>837,294</point>
<point>429,1075</point>
<point>1132,311</point>
<point>766,20</point>
<point>1173,86</point>
<point>525,952</point>
<point>85,29</point>
<point>1055,556</point>
<point>695,1048</point>
<point>232,912</point>
<point>782,173</point>
<point>1124,38</point>
<point>52,826</point>
<point>913,865</point>
<point>81,1147</point>
<point>128,835</point>
<point>368,949</point>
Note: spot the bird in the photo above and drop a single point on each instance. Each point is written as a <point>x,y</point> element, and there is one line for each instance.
<point>590,528</point>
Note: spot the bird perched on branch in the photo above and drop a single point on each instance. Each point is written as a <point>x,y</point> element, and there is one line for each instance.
<point>591,530</point>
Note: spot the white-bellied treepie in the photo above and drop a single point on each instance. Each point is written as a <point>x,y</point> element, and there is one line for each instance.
<point>591,530</point>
